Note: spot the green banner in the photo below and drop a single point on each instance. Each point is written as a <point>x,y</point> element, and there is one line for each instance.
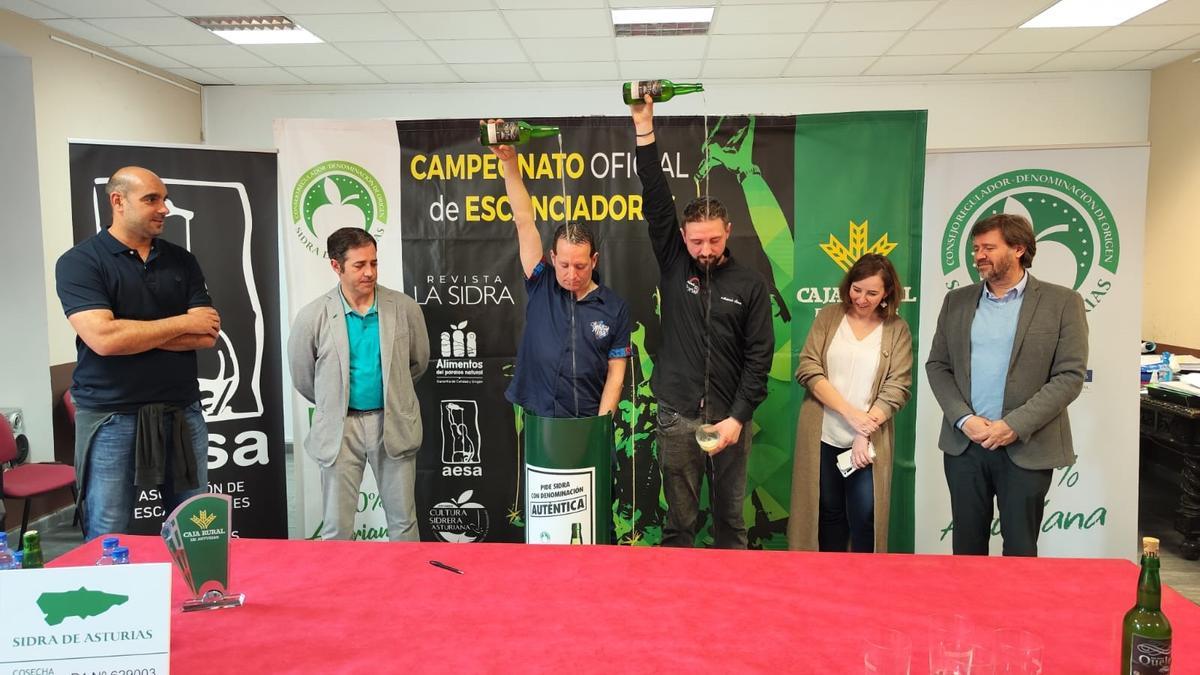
<point>859,186</point>
<point>568,480</point>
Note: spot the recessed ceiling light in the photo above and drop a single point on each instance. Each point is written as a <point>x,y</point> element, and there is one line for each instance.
<point>255,30</point>
<point>1090,13</point>
<point>662,21</point>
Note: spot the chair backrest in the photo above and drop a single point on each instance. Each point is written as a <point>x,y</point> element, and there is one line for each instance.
<point>69,404</point>
<point>8,442</point>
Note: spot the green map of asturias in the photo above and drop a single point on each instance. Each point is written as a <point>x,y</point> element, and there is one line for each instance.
<point>81,603</point>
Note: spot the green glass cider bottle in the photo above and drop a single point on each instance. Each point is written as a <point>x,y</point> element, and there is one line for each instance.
<point>513,133</point>
<point>1146,636</point>
<point>659,90</point>
<point>33,550</point>
<point>576,533</point>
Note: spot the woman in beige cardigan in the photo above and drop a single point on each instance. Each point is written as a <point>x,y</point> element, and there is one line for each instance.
<point>857,368</point>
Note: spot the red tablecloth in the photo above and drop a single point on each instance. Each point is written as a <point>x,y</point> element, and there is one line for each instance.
<point>326,607</point>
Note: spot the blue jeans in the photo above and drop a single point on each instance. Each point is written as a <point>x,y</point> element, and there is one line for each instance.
<point>109,493</point>
<point>683,466</point>
<point>847,508</point>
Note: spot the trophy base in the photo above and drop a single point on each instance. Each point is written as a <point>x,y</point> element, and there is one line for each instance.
<point>214,600</point>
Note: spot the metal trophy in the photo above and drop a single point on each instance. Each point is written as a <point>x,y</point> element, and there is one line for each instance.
<point>197,535</point>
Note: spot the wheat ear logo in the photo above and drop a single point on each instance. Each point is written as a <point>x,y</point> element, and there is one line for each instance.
<point>845,256</point>
<point>203,519</point>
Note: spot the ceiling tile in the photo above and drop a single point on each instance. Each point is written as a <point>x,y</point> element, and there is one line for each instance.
<point>389,53</point>
<point>256,76</point>
<point>1190,43</point>
<point>764,18</point>
<point>618,4</point>
<point>1089,61</point>
<point>566,72</point>
<point>1001,63</point>
<point>550,50</point>
<point>478,51</point>
<point>217,7</point>
<point>437,5</point>
<point>926,42</point>
<point>983,13</point>
<point>31,9</point>
<point>828,67</point>
<point>82,29</point>
<point>670,48</point>
<point>218,56</point>
<point>1124,38</point>
<point>1170,13</point>
<point>198,76</point>
<point>290,7</point>
<point>763,46</point>
<point>86,9</point>
<point>335,75</point>
<point>744,68</point>
<point>864,16</point>
<point>172,31</point>
<point>848,44</point>
<point>457,25</point>
<point>420,73</point>
<point>914,65</point>
<point>1041,40</point>
<point>550,4</point>
<point>646,70</point>
<point>560,23</point>
<point>150,57</point>
<point>378,27</point>
<point>760,2</point>
<point>301,55</point>
<point>1159,58</point>
<point>496,72</point>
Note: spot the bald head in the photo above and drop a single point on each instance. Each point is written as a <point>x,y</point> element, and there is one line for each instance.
<point>138,198</point>
<point>129,178</point>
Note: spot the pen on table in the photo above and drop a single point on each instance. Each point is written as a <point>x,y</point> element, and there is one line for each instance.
<point>444,566</point>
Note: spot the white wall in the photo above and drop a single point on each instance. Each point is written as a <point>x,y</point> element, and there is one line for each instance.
<point>77,95</point>
<point>964,111</point>
<point>24,376</point>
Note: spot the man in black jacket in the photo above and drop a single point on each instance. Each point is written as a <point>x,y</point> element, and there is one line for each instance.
<point>715,352</point>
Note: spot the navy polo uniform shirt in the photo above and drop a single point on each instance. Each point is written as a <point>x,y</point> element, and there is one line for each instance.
<point>543,383</point>
<point>102,273</point>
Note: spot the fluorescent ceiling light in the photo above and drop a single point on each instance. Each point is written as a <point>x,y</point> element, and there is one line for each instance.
<point>662,15</point>
<point>255,30</point>
<point>1090,13</point>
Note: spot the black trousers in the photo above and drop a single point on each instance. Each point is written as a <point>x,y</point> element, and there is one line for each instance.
<point>979,476</point>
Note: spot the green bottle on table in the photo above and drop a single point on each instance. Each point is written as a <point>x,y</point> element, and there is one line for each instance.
<point>513,133</point>
<point>33,550</point>
<point>1146,637</point>
<point>659,90</point>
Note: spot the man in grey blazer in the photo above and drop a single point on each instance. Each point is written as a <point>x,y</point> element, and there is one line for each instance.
<point>1008,357</point>
<point>355,352</point>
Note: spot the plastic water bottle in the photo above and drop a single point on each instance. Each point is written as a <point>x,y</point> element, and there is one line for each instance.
<point>18,560</point>
<point>1165,374</point>
<point>109,545</point>
<point>120,556</point>
<point>6,556</point>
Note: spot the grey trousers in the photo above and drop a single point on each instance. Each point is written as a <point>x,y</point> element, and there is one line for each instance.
<point>362,442</point>
<point>976,478</point>
<point>684,465</point>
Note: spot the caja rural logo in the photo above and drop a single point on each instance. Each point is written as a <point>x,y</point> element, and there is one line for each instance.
<point>333,195</point>
<point>1078,245</point>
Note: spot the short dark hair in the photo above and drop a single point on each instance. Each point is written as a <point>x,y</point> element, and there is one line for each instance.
<point>704,208</point>
<point>868,265</point>
<point>1015,230</point>
<point>345,239</point>
<point>574,233</point>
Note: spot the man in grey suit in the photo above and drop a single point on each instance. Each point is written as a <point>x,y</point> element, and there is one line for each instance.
<point>355,352</point>
<point>1008,357</point>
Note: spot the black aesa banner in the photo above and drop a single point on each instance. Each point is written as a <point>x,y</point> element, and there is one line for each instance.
<point>223,209</point>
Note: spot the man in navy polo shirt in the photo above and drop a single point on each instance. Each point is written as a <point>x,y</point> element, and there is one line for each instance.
<point>141,310</point>
<point>571,362</point>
